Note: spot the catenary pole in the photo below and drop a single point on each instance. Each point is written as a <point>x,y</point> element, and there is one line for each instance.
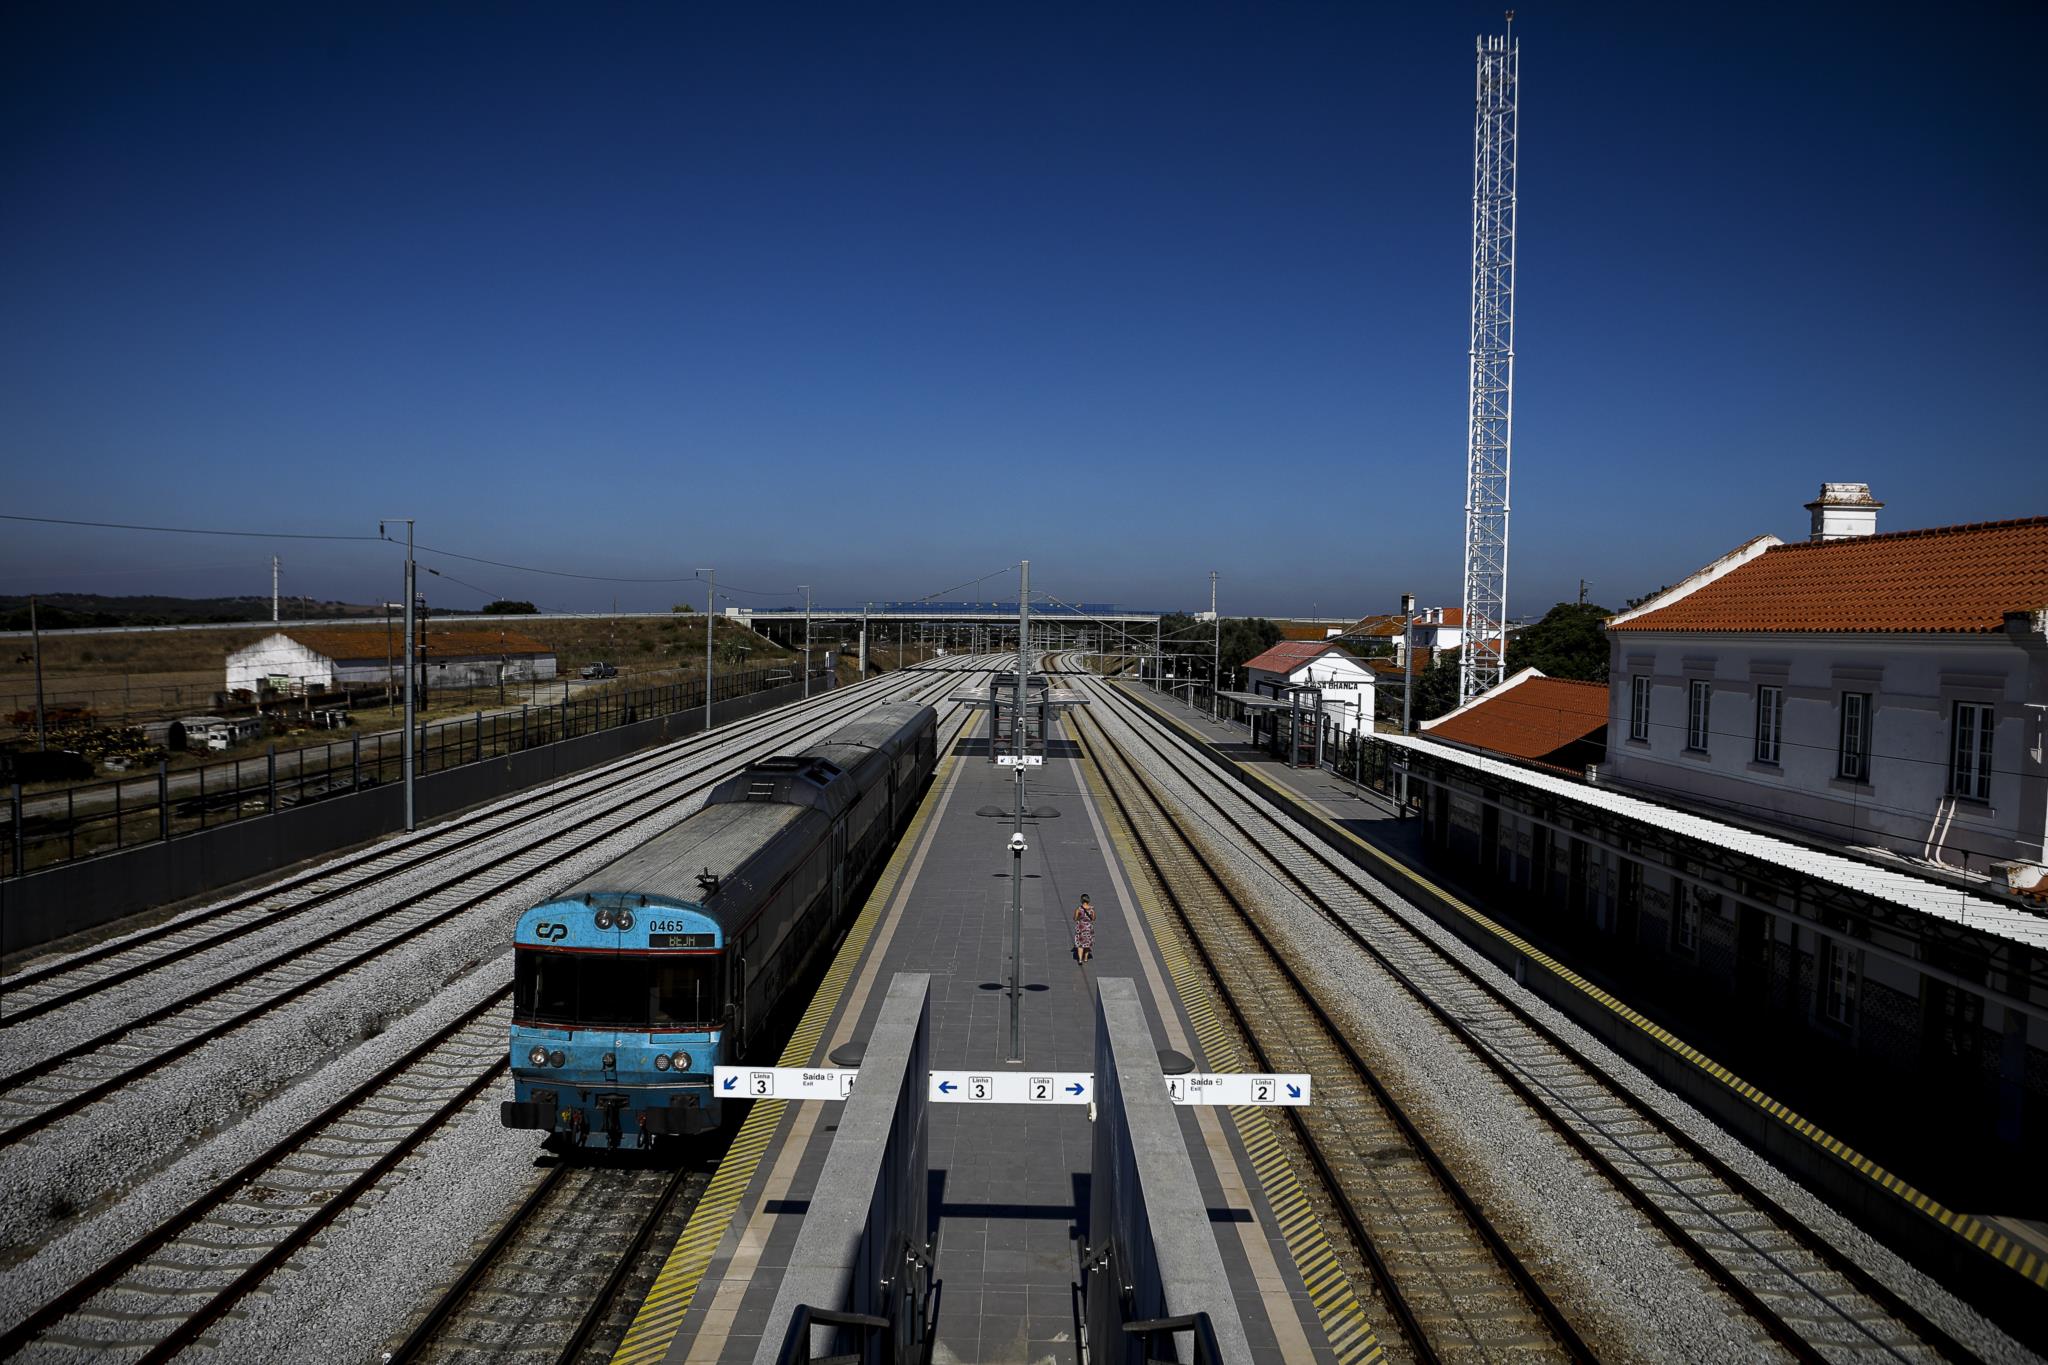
<point>1215,651</point>
<point>406,744</point>
<point>710,594</point>
<point>807,638</point>
<point>36,635</point>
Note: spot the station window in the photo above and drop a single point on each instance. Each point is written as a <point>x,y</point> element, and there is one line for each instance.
<point>1639,708</point>
<point>1852,760</point>
<point>1970,760</point>
<point>1840,969</point>
<point>1770,724</point>
<point>1699,705</point>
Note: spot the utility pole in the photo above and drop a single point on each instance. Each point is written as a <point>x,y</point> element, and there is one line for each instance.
<point>807,637</point>
<point>273,590</point>
<point>864,640</point>
<point>1582,592</point>
<point>1216,651</point>
<point>36,634</point>
<point>1407,655</point>
<point>406,749</point>
<point>710,593</point>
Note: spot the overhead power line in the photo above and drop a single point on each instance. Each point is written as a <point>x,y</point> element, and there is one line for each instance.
<point>184,530</point>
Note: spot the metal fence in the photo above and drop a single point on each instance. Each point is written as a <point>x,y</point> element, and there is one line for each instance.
<point>45,829</point>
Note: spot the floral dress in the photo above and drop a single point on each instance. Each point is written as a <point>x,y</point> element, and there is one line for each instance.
<point>1084,929</point>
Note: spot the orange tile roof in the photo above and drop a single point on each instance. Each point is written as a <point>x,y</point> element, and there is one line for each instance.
<point>1311,630</point>
<point>370,642</point>
<point>1557,722</point>
<point>1947,579</point>
<point>1289,655</point>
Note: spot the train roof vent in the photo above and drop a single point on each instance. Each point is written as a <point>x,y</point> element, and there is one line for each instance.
<point>761,789</point>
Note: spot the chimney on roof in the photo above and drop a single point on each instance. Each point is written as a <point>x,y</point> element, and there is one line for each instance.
<point>1843,511</point>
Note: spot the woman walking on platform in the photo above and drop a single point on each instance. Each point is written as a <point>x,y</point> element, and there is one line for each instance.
<point>1084,932</point>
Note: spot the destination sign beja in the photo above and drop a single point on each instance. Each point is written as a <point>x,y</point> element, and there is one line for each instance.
<point>1224,1088</point>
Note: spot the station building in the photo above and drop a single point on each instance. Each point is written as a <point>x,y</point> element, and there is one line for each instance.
<point>333,660</point>
<point>1343,680</point>
<point>1819,802</point>
<point>1877,690</point>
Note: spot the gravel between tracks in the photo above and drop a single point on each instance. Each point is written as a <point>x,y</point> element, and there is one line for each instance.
<point>1621,1266</point>
<point>83,1246</point>
<point>91,1157</point>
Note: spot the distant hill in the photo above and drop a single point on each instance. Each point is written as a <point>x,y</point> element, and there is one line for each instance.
<point>75,610</point>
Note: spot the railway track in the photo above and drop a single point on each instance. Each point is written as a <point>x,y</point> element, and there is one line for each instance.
<point>90,1069</point>
<point>161,1292</point>
<point>542,1286</point>
<point>1805,1295</point>
<point>1449,1278</point>
<point>79,976</point>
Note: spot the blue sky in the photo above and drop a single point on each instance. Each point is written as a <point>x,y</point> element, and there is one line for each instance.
<point>884,298</point>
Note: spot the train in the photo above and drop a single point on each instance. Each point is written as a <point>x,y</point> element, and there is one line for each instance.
<point>629,986</point>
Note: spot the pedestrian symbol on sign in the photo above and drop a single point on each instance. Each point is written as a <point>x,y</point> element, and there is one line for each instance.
<point>1176,1089</point>
<point>845,1083</point>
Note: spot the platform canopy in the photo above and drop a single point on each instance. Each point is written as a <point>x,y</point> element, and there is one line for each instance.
<point>1259,701</point>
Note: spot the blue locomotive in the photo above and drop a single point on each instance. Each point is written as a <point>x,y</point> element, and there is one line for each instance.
<point>632,984</point>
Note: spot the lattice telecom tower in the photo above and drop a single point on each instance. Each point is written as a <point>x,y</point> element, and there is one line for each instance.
<point>1481,660</point>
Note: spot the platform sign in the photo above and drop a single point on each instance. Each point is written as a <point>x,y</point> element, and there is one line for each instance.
<point>1020,760</point>
<point>1011,1087</point>
<point>1231,1088</point>
<point>782,1082</point>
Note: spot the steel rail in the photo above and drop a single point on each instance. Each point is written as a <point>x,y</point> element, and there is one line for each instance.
<point>1723,1275</point>
<point>172,1051</point>
<point>111,1270</point>
<point>500,818</point>
<point>1422,1341</point>
<point>450,1299</point>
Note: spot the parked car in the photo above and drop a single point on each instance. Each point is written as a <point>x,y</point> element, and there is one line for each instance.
<point>600,670</point>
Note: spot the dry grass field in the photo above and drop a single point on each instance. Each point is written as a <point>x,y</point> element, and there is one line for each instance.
<point>150,675</point>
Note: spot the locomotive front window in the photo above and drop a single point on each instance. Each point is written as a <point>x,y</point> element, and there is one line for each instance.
<point>683,991</point>
<point>544,986</point>
<point>614,990</point>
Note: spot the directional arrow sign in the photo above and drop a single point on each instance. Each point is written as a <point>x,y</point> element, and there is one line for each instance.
<point>1020,760</point>
<point>1011,1087</point>
<point>1233,1088</point>
<point>782,1082</point>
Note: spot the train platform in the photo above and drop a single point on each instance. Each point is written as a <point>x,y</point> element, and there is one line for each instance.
<point>1009,1189</point>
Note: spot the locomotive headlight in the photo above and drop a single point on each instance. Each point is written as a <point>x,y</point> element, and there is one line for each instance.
<point>604,917</point>
<point>538,1057</point>
<point>556,1058</point>
<point>625,919</point>
<point>661,1061</point>
<point>611,1061</point>
<point>682,1061</point>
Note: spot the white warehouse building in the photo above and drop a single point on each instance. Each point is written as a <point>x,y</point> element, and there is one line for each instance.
<point>333,659</point>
